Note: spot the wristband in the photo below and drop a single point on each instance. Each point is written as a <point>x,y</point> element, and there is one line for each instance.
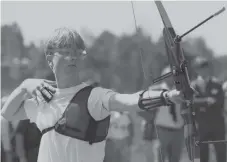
<point>151,103</point>
<point>165,98</point>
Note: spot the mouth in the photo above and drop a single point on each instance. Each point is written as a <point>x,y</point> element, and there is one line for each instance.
<point>73,65</point>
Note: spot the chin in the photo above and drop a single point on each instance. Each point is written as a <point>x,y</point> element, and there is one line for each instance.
<point>69,71</point>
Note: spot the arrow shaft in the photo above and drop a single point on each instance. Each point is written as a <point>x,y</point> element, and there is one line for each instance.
<point>208,142</point>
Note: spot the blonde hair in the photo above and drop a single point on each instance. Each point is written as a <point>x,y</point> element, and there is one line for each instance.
<point>65,38</point>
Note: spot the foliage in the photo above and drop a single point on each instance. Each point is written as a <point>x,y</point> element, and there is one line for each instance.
<point>127,63</point>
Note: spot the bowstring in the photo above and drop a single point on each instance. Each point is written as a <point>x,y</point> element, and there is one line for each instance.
<point>140,48</point>
<point>141,56</point>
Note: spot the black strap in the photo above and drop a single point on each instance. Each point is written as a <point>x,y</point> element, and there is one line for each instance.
<point>90,136</point>
<point>92,125</point>
<point>47,130</point>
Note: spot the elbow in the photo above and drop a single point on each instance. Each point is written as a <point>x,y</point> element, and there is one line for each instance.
<point>6,117</point>
<point>124,102</point>
<point>11,112</point>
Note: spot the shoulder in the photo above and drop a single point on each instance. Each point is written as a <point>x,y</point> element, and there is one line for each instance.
<point>224,86</point>
<point>194,83</point>
<point>98,102</point>
<point>100,92</point>
<point>216,82</point>
<point>101,96</point>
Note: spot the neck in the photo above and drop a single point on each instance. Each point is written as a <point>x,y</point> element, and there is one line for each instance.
<point>67,81</point>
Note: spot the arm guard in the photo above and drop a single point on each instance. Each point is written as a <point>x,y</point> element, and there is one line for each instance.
<point>152,103</point>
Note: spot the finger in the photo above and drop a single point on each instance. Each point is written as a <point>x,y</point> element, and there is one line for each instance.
<point>49,87</point>
<point>34,96</point>
<point>40,96</point>
<point>28,95</point>
<point>45,93</point>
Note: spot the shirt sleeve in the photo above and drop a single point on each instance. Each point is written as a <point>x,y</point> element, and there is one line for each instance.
<point>31,110</point>
<point>98,102</point>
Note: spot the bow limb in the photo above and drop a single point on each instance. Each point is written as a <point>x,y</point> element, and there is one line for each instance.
<point>179,71</point>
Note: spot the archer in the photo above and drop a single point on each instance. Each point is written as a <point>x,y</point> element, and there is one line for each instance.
<point>209,105</point>
<point>74,117</point>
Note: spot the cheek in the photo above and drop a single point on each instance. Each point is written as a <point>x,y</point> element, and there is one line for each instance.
<point>80,63</point>
<point>57,62</point>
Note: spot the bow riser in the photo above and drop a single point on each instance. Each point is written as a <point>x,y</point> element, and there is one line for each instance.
<point>178,63</point>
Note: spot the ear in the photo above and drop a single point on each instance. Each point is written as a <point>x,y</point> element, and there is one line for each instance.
<point>48,58</point>
<point>83,54</point>
<point>51,65</point>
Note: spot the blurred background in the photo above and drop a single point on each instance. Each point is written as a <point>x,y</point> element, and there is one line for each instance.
<point>113,45</point>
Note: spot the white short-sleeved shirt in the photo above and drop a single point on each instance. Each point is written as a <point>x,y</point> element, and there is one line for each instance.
<point>55,147</point>
<point>164,118</point>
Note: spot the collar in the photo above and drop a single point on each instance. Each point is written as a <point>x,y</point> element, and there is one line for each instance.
<point>73,89</point>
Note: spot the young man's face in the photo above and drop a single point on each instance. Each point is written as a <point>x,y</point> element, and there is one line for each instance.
<point>64,60</point>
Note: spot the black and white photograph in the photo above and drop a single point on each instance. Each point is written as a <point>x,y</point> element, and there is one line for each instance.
<point>113,81</point>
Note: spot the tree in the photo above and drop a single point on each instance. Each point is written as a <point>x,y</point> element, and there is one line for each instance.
<point>12,52</point>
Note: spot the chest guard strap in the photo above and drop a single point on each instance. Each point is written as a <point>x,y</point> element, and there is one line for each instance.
<point>77,122</point>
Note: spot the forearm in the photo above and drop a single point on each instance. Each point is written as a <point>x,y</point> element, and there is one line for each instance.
<point>129,102</point>
<point>200,102</point>
<point>13,103</point>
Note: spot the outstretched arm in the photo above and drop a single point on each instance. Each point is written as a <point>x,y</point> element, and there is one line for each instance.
<point>130,102</point>
<point>200,102</point>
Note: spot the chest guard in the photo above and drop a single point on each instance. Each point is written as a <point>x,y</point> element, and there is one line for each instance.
<point>77,122</point>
